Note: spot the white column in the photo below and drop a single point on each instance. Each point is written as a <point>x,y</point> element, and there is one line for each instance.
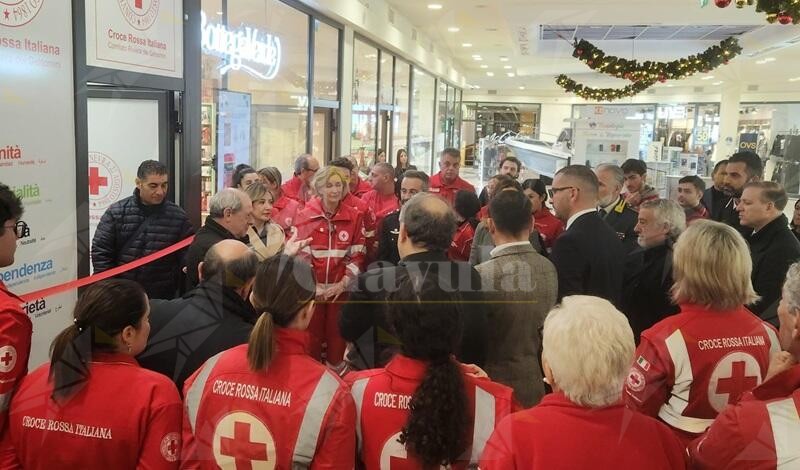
<point>728,122</point>
<point>346,100</point>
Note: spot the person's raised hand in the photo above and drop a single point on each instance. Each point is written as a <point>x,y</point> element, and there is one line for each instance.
<point>293,245</point>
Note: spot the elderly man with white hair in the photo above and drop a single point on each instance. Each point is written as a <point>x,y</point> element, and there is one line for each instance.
<point>587,350</point>
<point>763,429</point>
<point>646,298</point>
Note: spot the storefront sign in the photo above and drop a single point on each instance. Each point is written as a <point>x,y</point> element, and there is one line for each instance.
<point>144,36</point>
<point>37,157</point>
<point>748,141</point>
<point>258,54</point>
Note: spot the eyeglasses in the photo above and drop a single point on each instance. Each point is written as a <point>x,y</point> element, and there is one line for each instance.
<point>21,229</point>
<point>555,190</point>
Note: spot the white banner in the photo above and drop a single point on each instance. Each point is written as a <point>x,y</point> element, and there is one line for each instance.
<point>233,134</point>
<point>115,156</point>
<point>39,127</point>
<point>144,36</point>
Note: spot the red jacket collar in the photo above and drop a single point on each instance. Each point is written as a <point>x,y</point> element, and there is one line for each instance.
<point>5,290</point>
<point>109,357</point>
<point>543,213</point>
<point>289,341</point>
<point>315,205</point>
<point>404,366</point>
<point>457,183</point>
<point>780,386</point>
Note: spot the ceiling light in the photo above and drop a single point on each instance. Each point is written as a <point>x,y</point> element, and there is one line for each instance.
<point>503,59</point>
<point>219,13</point>
<point>511,74</point>
<point>434,6</point>
<point>454,29</point>
<point>507,67</point>
<point>710,77</point>
<point>718,83</point>
<point>476,87</point>
<point>484,66</point>
<point>522,88</point>
<point>670,86</point>
<point>765,61</point>
<point>477,59</point>
<point>490,74</point>
<point>795,79</point>
<point>466,44</point>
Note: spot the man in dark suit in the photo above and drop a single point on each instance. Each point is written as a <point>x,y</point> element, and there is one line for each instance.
<point>743,167</point>
<point>773,247</point>
<point>417,182</point>
<point>213,317</point>
<point>427,225</point>
<point>588,256</point>
<point>714,198</point>
<point>613,208</point>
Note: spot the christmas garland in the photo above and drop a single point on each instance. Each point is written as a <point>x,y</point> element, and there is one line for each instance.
<point>634,71</point>
<point>778,11</point>
<point>601,94</point>
<point>645,74</point>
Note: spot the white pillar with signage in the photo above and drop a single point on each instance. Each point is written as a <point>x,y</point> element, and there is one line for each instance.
<point>728,122</point>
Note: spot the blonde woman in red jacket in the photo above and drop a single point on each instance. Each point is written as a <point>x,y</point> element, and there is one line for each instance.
<point>336,252</point>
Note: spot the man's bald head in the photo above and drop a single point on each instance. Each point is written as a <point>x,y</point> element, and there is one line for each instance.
<point>429,221</point>
<point>229,263</point>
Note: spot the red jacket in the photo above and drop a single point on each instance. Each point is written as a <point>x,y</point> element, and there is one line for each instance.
<point>123,417</point>
<point>462,242</point>
<point>382,397</point>
<point>448,191</point>
<point>761,432</point>
<point>294,412</point>
<point>337,244</point>
<point>378,207</point>
<point>548,226</point>
<point>296,189</point>
<point>362,188</point>
<point>483,213</point>
<point>284,211</point>
<point>15,347</point>
<point>690,366</point>
<point>557,433</point>
<point>699,212</point>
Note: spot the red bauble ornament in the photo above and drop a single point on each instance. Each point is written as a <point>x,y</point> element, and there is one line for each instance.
<point>784,18</point>
<point>722,3</point>
<point>579,51</point>
<point>590,63</point>
<point>627,76</point>
<point>725,62</point>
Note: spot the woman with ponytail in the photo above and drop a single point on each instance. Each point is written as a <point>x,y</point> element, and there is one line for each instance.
<point>420,407</point>
<point>269,401</point>
<point>92,406</point>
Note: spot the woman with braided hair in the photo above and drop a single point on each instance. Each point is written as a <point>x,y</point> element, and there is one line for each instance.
<point>420,407</point>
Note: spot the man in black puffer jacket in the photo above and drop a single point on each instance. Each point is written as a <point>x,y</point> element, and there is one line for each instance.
<point>140,225</point>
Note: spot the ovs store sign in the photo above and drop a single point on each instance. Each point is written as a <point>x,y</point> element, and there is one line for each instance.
<point>15,13</point>
<point>258,54</point>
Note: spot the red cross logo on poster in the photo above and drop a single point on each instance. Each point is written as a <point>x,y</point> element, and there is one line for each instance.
<point>734,374</point>
<point>243,442</point>
<point>105,181</point>
<point>8,358</point>
<point>141,14</point>
<point>14,13</point>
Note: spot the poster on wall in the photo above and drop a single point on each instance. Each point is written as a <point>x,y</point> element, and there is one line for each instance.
<point>606,138</point>
<point>233,134</point>
<point>37,157</point>
<point>114,157</point>
<point>143,36</point>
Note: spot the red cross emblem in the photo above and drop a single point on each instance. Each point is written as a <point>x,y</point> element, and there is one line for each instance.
<point>170,445</point>
<point>138,4</point>
<point>96,181</point>
<point>243,442</point>
<point>734,374</point>
<point>8,358</point>
<point>737,383</point>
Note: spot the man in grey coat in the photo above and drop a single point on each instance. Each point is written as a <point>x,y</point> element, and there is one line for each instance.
<point>521,286</point>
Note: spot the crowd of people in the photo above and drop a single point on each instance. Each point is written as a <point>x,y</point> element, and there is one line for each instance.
<point>402,320</point>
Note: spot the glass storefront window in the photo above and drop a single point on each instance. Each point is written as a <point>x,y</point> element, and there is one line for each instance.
<point>451,116</point>
<point>422,115</point>
<point>387,72</point>
<point>365,97</point>
<point>441,118</point>
<point>326,62</point>
<point>400,120</point>
<point>772,130</point>
<point>255,114</point>
<point>457,127</point>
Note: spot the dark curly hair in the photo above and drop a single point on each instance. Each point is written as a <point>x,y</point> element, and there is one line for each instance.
<point>426,319</point>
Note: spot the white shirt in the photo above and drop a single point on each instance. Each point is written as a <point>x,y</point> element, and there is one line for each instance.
<point>497,249</point>
<point>576,215</point>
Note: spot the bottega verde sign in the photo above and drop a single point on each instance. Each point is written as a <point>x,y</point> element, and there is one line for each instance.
<point>245,48</point>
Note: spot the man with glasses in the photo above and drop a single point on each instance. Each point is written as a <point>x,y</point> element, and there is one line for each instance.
<point>299,187</point>
<point>588,256</point>
<point>15,326</point>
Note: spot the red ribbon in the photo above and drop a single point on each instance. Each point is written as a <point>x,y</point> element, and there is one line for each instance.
<point>107,274</point>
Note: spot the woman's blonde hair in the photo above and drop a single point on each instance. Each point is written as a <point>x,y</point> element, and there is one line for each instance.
<point>325,174</point>
<point>258,191</point>
<point>711,267</point>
